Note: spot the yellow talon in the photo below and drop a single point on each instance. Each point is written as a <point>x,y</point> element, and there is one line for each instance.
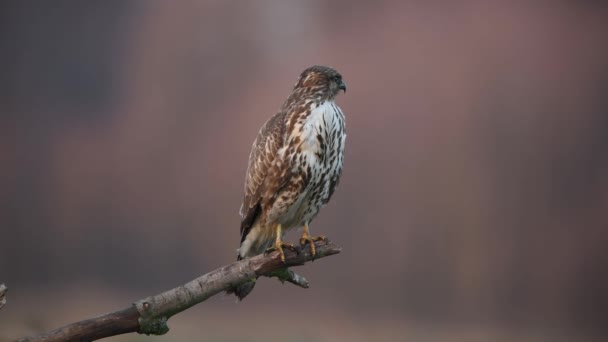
<point>279,245</point>
<point>306,238</point>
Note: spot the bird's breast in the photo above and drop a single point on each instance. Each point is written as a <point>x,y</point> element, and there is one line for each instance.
<point>315,134</point>
<point>314,155</point>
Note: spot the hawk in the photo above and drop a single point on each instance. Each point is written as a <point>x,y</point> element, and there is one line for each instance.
<point>294,167</point>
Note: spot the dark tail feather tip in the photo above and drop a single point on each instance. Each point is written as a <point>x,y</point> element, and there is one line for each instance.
<point>242,290</point>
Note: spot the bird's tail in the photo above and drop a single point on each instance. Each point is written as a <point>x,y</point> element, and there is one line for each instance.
<point>252,243</point>
<point>242,290</point>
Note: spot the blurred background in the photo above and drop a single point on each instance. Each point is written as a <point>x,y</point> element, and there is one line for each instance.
<point>472,207</point>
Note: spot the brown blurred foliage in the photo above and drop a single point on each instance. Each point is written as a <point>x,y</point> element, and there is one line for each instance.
<point>475,188</point>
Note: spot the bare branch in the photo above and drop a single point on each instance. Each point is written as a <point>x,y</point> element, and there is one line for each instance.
<point>150,315</point>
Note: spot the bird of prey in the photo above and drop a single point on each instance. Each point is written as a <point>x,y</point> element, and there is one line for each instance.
<point>294,167</point>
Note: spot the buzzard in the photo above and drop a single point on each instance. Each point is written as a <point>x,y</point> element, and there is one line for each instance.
<point>294,166</point>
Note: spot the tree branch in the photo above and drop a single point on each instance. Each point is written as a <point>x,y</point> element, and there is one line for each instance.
<point>149,315</point>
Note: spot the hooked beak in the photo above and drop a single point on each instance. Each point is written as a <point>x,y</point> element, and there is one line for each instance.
<point>342,86</point>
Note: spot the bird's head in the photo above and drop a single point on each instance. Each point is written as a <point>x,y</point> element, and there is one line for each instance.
<point>321,78</point>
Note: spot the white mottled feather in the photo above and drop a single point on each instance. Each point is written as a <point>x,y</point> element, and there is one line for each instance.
<point>324,118</point>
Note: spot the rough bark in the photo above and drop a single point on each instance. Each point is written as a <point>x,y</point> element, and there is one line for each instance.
<point>150,315</point>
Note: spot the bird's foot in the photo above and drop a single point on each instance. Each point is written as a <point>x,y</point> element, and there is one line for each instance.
<point>306,238</point>
<point>278,246</point>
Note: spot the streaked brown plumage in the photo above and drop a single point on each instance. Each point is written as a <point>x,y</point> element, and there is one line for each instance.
<point>294,166</point>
